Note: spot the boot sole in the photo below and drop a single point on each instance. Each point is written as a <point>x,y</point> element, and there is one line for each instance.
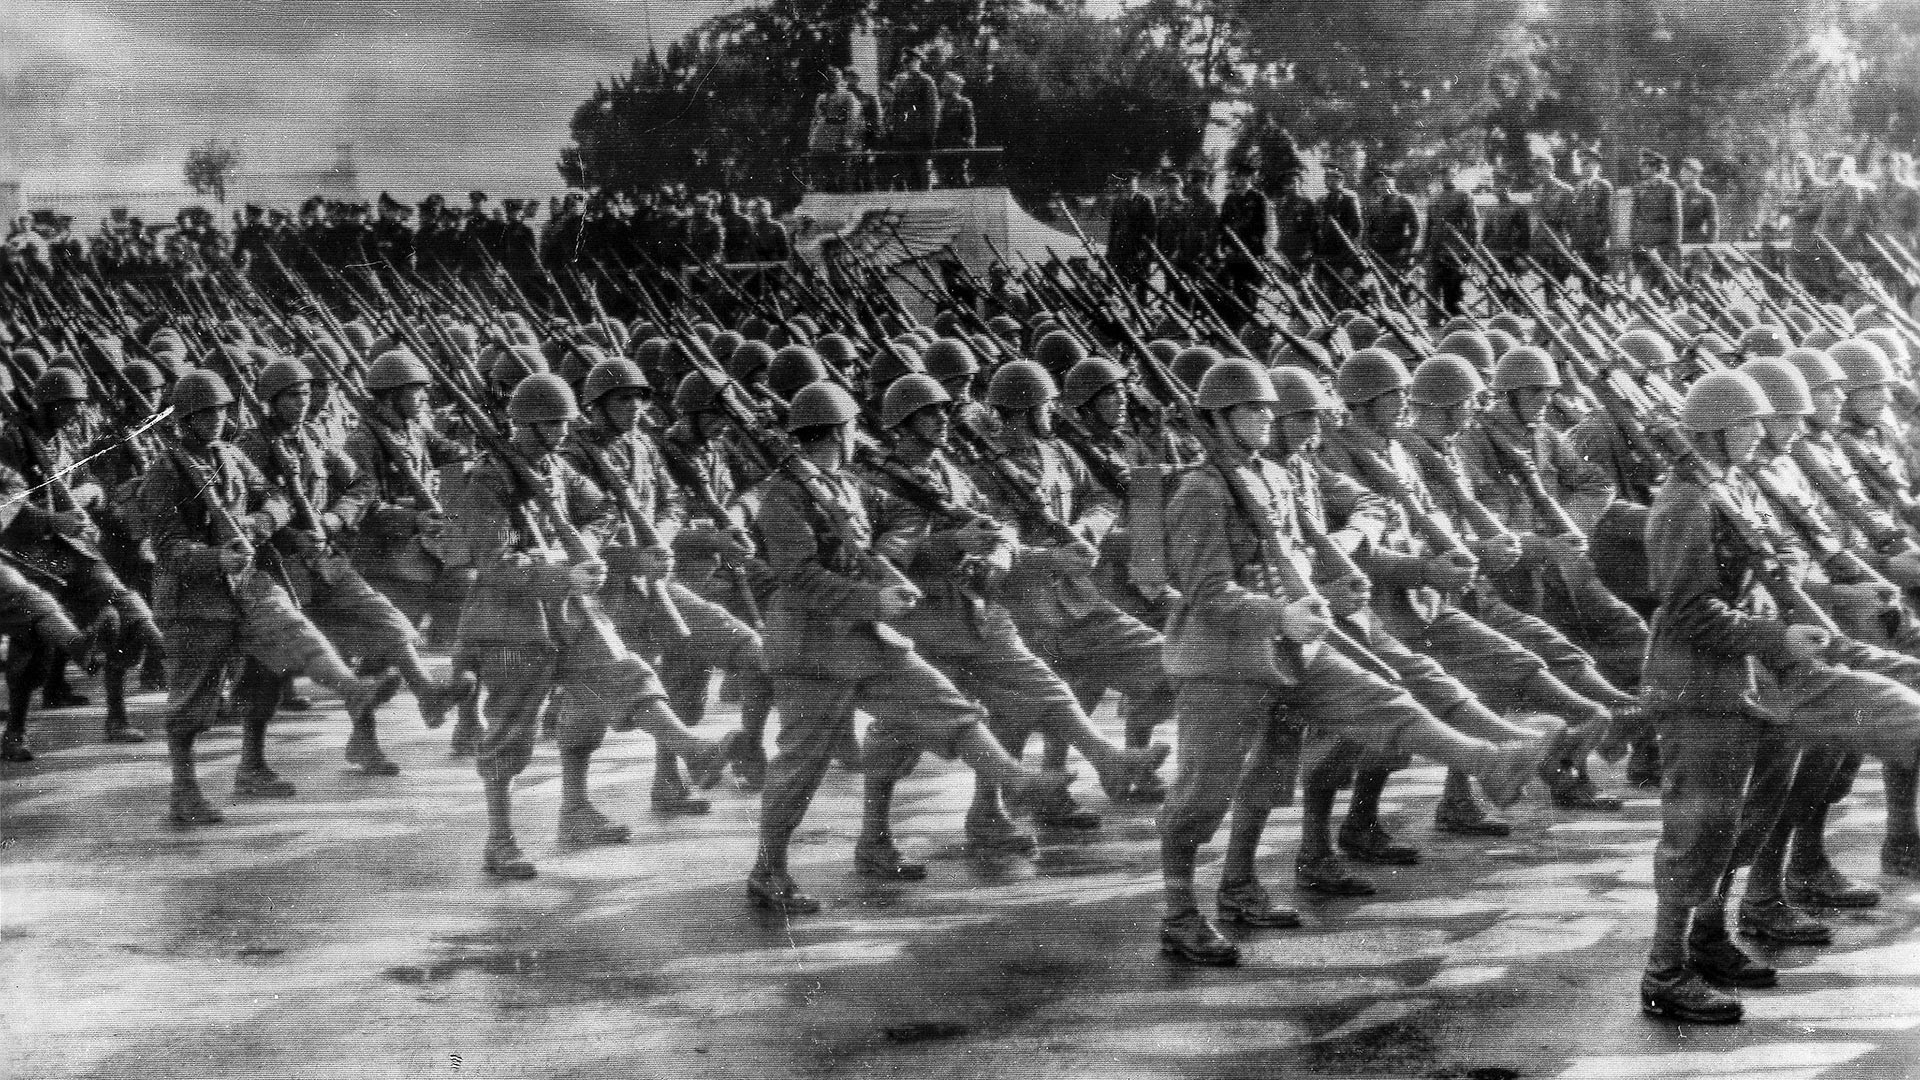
<point>1202,959</point>
<point>1690,1016</point>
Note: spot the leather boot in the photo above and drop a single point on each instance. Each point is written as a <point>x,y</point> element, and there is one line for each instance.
<point>1685,995</point>
<point>586,826</point>
<point>1189,936</point>
<point>261,782</point>
<point>776,891</point>
<point>437,698</point>
<point>1513,764</point>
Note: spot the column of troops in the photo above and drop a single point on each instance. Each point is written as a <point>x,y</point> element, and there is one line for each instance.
<point>1302,533</point>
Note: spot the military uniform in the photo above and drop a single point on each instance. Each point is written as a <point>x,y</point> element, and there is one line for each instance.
<point>1452,221</point>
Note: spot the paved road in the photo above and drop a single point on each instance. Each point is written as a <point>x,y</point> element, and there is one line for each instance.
<point>349,932</point>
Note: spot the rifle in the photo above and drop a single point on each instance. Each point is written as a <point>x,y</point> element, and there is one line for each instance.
<point>686,473</point>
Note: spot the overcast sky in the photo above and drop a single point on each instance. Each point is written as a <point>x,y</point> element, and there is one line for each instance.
<point>100,99</point>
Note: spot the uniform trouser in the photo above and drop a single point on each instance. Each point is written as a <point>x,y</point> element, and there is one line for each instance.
<point>1223,722</point>
<point>437,600</point>
<point>1020,692</point>
<point>270,630</point>
<point>601,689</point>
<point>1500,672</point>
<point>1568,662</point>
<point>1109,650</point>
<point>1708,760</point>
<point>1788,783</point>
<point>914,709</point>
<point>1615,635</point>
<point>360,622</point>
<point>26,608</point>
<point>1448,284</point>
<point>715,640</point>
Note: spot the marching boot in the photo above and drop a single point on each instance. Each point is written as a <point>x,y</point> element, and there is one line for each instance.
<point>874,854</point>
<point>1900,850</point>
<point>581,823</point>
<point>502,857</point>
<point>185,804</point>
<point>436,698</point>
<point>1460,812</point>
<point>468,728</point>
<point>114,682</point>
<point>1811,879</point>
<point>253,777</point>
<point>1361,836</point>
<point>363,698</point>
<point>671,794</point>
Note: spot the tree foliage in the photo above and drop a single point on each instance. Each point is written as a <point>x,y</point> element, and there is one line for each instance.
<point>211,166</point>
<point>1069,95</point>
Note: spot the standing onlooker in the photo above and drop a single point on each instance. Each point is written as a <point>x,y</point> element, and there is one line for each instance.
<point>1591,226</point>
<point>957,132</point>
<point>913,121</point>
<point>1654,225</point>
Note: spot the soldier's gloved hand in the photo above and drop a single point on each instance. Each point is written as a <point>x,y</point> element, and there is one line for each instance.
<point>1498,553</point>
<point>69,522</point>
<point>1807,644</point>
<point>235,557</point>
<point>586,577</point>
<point>975,538</point>
<point>652,563</point>
<point>1349,595</point>
<point>1305,620</point>
<point>430,522</point>
<point>897,600</point>
<point>1447,574</point>
<point>1079,555</point>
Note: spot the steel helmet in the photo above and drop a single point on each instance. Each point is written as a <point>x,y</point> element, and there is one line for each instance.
<point>200,390</point>
<point>280,376</point>
<point>1785,387</point>
<point>542,398</point>
<point>1234,382</point>
<point>1890,343</point>
<point>1471,346</point>
<point>1191,364</point>
<point>794,367</point>
<point>1687,323</point>
<point>1362,331</point>
<point>1058,352</point>
<point>833,349</point>
<point>908,395</point>
<point>1799,319</point>
<point>696,393</point>
<point>754,328</point>
<point>1724,399</point>
<point>511,365</point>
<point>1444,380</point>
<point>821,404</point>
<point>396,369</point>
<point>751,357</point>
<point>946,325</point>
<point>724,343</point>
<point>647,351</point>
<point>1747,320</point>
<point>1647,348</point>
<point>1714,343</point>
<point>1816,367</point>
<point>1523,367</point>
<point>358,336</point>
<point>1502,342</point>
<point>1088,378</point>
<point>1004,325</point>
<point>949,358</point>
<point>1821,338</point>
<point>1863,362</point>
<point>706,332</point>
<point>892,362</point>
<point>1369,373</point>
<point>1297,390</point>
<point>1164,350</point>
<point>1511,324</point>
<point>143,375</point>
<point>60,383</point>
<point>610,375</point>
<point>1020,385</point>
<point>1764,339</point>
<point>1843,317</point>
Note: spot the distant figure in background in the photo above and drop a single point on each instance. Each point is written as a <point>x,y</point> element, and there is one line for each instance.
<point>1453,226</point>
<point>838,132</point>
<point>1654,225</point>
<point>870,136</point>
<point>1243,216</point>
<point>1393,225</point>
<point>957,131</point>
<point>913,122</point>
<point>1296,219</point>
<point>1699,215</point>
<point>1552,214</point>
<point>1590,229</point>
<point>1339,213</point>
<point>1131,227</point>
<point>1509,229</point>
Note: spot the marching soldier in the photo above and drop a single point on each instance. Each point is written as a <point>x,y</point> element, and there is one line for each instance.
<point>1243,214</point>
<point>1249,638</point>
<point>1453,225</point>
<point>533,625</point>
<point>612,450</point>
<point>829,646</point>
<point>1590,213</point>
<point>213,518</point>
<point>46,478</point>
<point>361,623</point>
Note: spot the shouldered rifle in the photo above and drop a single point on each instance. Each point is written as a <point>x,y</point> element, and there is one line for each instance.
<point>1827,550</point>
<point>1383,478</point>
<point>783,453</point>
<point>1882,531</point>
<point>640,528</point>
<point>685,472</point>
<point>1753,546</point>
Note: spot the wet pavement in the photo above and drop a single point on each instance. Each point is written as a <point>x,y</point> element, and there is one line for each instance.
<point>350,932</point>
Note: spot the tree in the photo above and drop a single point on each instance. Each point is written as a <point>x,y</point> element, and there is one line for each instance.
<point>211,166</point>
<point>1069,95</point>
